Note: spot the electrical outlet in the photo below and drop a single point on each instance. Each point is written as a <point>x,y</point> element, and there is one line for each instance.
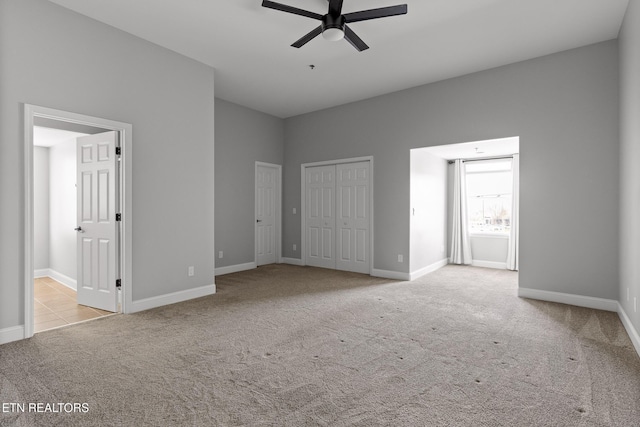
<point>191,271</point>
<point>220,254</point>
<point>400,258</point>
<point>295,247</point>
<point>294,211</point>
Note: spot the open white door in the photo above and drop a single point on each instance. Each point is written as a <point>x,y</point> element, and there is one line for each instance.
<point>97,186</point>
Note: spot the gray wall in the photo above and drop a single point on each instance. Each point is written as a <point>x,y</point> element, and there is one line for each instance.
<point>629,163</point>
<point>63,209</point>
<point>492,249</point>
<point>56,58</point>
<point>428,214</point>
<point>564,108</point>
<point>40,208</point>
<point>243,136</point>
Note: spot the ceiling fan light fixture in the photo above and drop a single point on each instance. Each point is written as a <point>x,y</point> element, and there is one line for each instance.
<point>333,27</point>
<point>333,34</point>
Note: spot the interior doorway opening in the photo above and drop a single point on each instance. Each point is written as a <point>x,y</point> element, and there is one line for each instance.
<point>87,182</point>
<point>55,238</point>
<point>490,233</point>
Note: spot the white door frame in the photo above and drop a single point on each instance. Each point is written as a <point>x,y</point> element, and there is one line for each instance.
<point>278,213</point>
<point>125,131</point>
<point>303,209</point>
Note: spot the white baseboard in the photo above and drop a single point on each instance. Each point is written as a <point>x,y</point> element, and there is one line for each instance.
<point>172,298</point>
<point>41,272</point>
<point>571,299</point>
<point>387,274</point>
<point>428,269</point>
<point>65,280</point>
<point>631,331</point>
<point>292,261</point>
<point>489,264</point>
<point>235,268</point>
<point>8,335</point>
<point>59,277</point>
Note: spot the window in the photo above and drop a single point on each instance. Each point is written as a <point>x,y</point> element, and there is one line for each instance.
<point>489,188</point>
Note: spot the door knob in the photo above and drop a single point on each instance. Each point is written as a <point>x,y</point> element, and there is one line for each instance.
<point>79,229</point>
<point>258,220</point>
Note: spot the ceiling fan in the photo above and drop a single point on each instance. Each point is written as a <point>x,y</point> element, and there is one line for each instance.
<point>333,25</point>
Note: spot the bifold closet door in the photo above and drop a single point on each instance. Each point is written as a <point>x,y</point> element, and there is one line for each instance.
<point>352,217</point>
<point>320,216</point>
<point>338,216</point>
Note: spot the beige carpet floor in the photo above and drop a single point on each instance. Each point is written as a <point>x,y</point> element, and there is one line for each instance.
<point>299,346</point>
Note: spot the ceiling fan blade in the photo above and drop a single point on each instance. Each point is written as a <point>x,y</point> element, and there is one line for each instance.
<point>291,9</point>
<point>382,12</point>
<point>308,37</point>
<point>353,38</point>
<point>335,7</point>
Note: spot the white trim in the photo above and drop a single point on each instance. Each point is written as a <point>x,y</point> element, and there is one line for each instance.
<point>489,264</point>
<point>303,191</point>
<point>387,274</point>
<point>278,205</point>
<point>172,298</point>
<point>65,280</point>
<point>338,161</point>
<point>292,261</point>
<point>631,331</point>
<point>14,333</point>
<point>489,235</point>
<point>235,268</point>
<point>125,131</point>
<point>571,299</point>
<point>59,277</point>
<point>42,272</point>
<point>428,269</point>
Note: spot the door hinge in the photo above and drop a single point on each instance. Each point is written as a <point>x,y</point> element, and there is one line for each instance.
<point>118,217</point>
<point>118,151</point>
<point>118,283</point>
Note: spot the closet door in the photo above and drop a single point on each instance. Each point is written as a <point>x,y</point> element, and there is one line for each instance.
<point>320,216</point>
<point>353,217</point>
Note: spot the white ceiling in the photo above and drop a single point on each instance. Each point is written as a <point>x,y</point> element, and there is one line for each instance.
<point>476,149</point>
<point>48,137</point>
<point>438,39</point>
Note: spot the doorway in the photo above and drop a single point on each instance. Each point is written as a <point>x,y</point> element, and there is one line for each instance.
<point>485,202</point>
<point>268,180</point>
<point>56,300</point>
<point>112,251</point>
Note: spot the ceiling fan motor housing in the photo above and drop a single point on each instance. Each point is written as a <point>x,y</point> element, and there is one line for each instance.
<point>333,27</point>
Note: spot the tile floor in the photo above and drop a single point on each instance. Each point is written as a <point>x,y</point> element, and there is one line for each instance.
<point>55,305</point>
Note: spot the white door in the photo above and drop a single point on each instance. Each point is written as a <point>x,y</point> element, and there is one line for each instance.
<point>320,216</point>
<point>97,184</point>
<point>352,217</point>
<point>266,213</point>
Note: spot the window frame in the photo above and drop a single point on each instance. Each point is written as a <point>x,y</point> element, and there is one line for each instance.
<point>490,234</point>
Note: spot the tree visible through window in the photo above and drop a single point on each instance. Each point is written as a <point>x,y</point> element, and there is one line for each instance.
<point>489,195</point>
